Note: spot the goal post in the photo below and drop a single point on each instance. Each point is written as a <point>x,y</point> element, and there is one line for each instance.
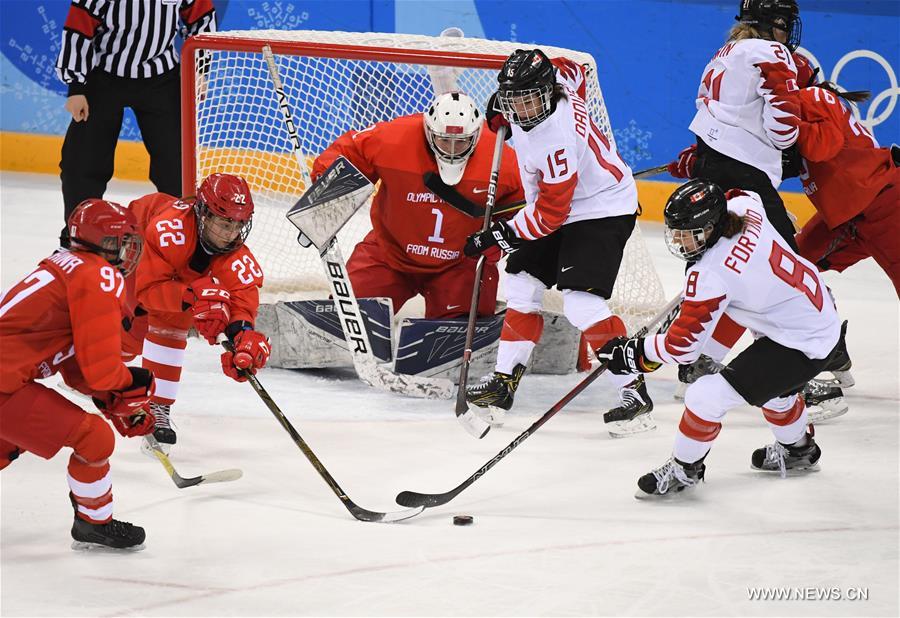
<point>337,82</point>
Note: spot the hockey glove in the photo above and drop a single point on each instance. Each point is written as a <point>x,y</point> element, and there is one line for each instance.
<point>251,351</point>
<point>209,304</point>
<point>626,356</point>
<point>129,409</point>
<point>498,235</point>
<point>791,162</point>
<point>683,167</point>
<point>494,118</point>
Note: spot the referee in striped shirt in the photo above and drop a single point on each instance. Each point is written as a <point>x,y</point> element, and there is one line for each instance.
<point>117,54</point>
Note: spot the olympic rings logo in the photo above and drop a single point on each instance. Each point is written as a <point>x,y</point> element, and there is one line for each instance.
<point>890,94</point>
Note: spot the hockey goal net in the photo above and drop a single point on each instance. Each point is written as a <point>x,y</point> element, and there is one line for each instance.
<point>335,82</point>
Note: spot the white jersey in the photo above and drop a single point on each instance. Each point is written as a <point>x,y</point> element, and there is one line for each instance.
<point>570,171</point>
<point>762,285</point>
<point>747,105</point>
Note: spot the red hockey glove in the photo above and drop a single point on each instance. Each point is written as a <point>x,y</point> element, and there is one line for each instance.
<point>209,304</point>
<point>684,166</point>
<point>625,356</point>
<point>129,408</point>
<point>251,351</point>
<point>494,118</point>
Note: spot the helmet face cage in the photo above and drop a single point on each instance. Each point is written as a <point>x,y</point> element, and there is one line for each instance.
<point>688,244</point>
<point>125,252</point>
<point>526,108</point>
<point>211,225</point>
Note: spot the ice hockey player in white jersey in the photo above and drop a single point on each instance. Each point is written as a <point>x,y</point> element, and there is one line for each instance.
<point>581,205</point>
<point>738,266</point>
<point>748,108</point>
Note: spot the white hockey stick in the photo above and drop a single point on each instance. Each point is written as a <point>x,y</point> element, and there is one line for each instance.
<point>364,361</point>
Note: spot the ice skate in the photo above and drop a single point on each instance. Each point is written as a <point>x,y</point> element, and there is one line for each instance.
<point>670,478</point>
<point>688,374</point>
<point>823,401</point>
<point>494,394</point>
<point>780,457</point>
<point>633,416</point>
<point>114,534</point>
<point>163,432</point>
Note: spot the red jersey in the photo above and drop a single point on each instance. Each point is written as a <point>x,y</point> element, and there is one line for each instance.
<point>418,231</point>
<point>66,316</point>
<point>173,259</point>
<point>844,167</point>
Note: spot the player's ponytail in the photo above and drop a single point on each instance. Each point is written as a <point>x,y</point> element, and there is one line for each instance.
<point>854,96</point>
<point>734,224</point>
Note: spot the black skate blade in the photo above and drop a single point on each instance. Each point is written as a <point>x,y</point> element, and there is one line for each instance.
<point>86,546</point>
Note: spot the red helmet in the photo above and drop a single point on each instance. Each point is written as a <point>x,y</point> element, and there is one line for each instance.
<point>107,229</point>
<point>227,197</point>
<point>806,74</point>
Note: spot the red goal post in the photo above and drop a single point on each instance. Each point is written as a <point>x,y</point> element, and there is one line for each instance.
<point>335,82</point>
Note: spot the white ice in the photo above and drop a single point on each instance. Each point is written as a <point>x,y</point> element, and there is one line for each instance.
<point>557,530</point>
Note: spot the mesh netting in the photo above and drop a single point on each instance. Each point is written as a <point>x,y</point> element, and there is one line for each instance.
<point>240,129</point>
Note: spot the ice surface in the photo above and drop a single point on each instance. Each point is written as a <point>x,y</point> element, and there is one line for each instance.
<point>557,530</point>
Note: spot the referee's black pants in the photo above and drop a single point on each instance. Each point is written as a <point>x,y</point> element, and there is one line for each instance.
<point>730,173</point>
<point>88,151</point>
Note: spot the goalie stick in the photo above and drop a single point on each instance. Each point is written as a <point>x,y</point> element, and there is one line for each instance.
<point>413,498</point>
<point>355,333</point>
<point>470,422</point>
<point>357,511</point>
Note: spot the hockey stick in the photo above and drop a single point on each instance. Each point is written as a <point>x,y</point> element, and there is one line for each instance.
<point>357,511</point>
<point>221,476</point>
<point>152,447</point>
<point>413,499</point>
<point>355,333</point>
<point>653,171</point>
<point>460,202</point>
<point>474,425</point>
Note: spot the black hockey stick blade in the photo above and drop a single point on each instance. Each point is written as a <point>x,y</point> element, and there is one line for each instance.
<point>413,498</point>
<point>181,482</point>
<point>453,197</point>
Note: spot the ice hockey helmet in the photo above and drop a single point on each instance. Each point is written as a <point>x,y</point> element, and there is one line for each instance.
<point>525,87</point>
<point>452,128</point>
<point>107,229</point>
<point>695,216</point>
<point>768,14</point>
<point>226,196</point>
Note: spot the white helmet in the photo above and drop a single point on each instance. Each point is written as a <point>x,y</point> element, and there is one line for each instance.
<point>452,127</point>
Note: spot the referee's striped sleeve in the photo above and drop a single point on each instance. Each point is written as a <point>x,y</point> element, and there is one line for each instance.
<point>76,54</point>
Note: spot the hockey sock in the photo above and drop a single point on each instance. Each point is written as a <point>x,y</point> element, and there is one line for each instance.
<point>694,437</point>
<point>163,354</point>
<point>520,333</point>
<point>786,417</point>
<point>88,472</point>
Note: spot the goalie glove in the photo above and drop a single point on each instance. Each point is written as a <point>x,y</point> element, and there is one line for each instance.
<point>499,234</point>
<point>625,356</point>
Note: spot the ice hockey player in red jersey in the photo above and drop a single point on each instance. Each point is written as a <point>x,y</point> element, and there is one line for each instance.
<point>195,271</point>
<point>853,183</point>
<point>580,211</point>
<point>65,318</point>
<point>739,266</point>
<point>747,108</point>
<point>416,237</point>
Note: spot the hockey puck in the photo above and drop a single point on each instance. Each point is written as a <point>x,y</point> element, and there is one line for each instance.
<point>463,520</point>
